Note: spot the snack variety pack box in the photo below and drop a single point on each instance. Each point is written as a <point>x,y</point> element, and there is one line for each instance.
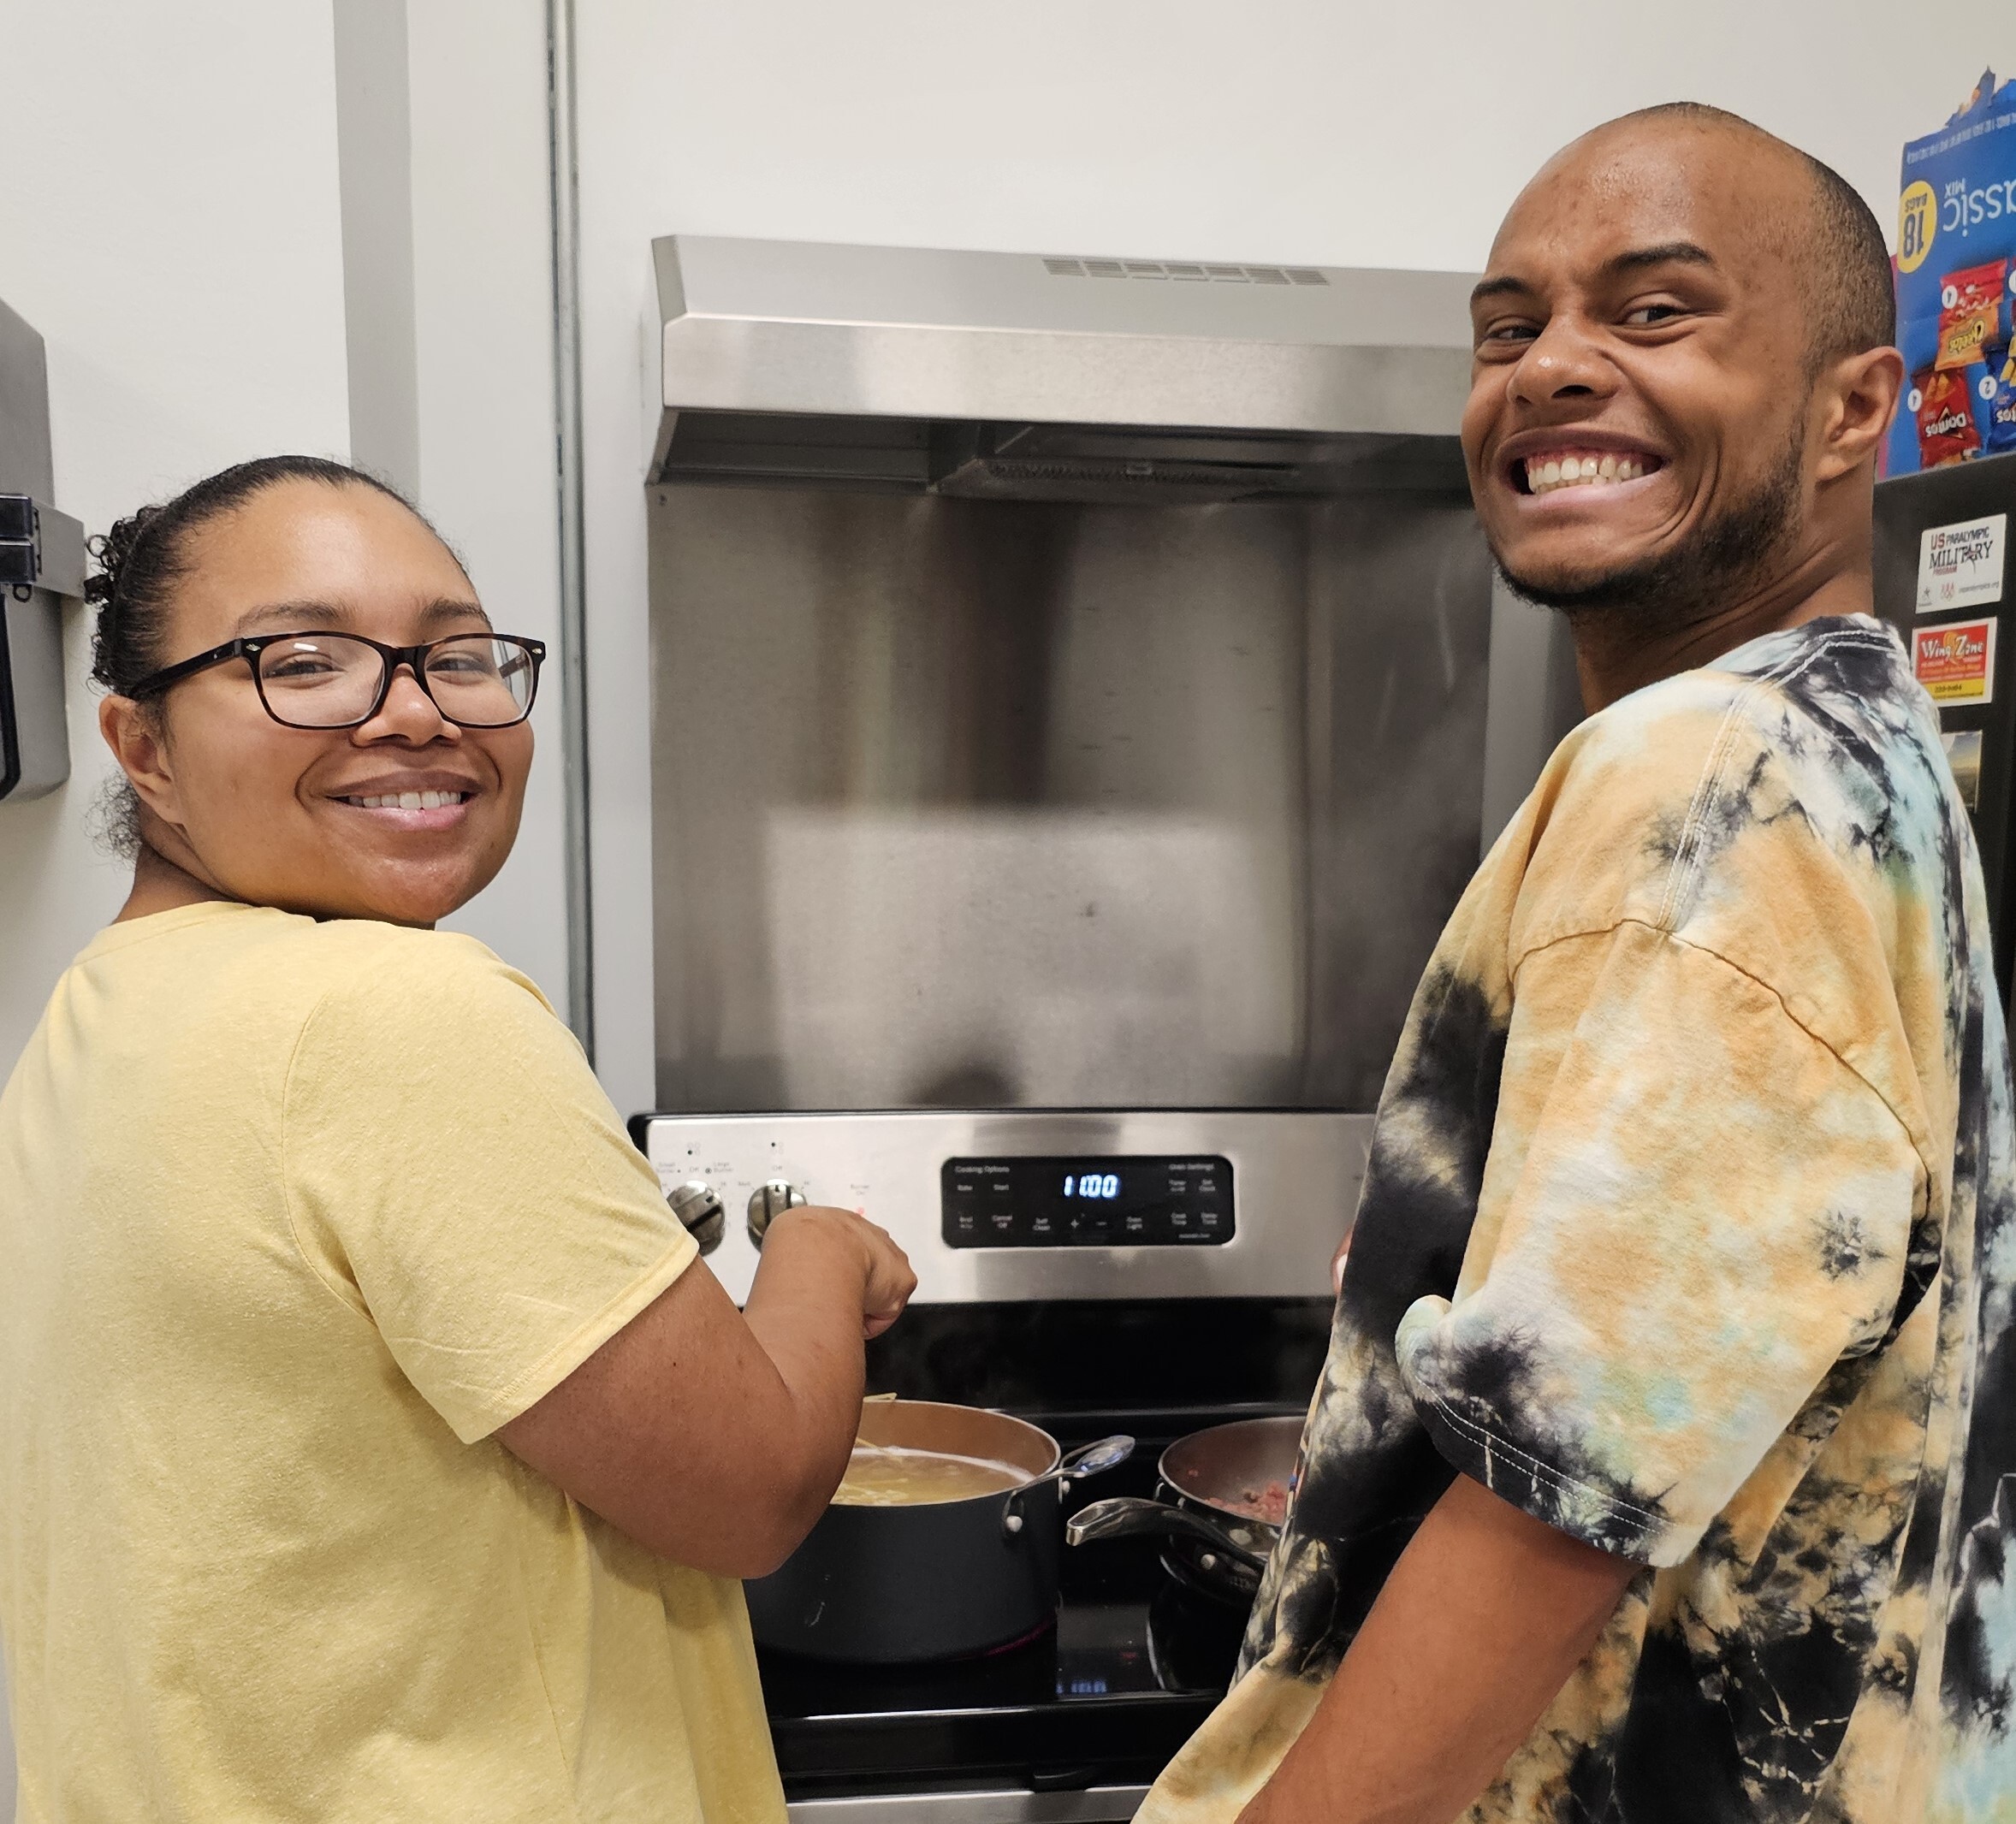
<point>1956,287</point>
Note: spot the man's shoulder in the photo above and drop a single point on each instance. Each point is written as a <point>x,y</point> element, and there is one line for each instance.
<point>1827,695</point>
<point>1808,751</point>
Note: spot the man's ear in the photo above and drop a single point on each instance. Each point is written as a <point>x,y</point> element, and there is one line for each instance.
<point>134,735</point>
<point>1856,397</point>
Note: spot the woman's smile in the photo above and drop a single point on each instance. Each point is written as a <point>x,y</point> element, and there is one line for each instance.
<point>418,801</point>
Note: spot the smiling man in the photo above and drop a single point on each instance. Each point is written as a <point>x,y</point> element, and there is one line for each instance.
<point>1656,1470</point>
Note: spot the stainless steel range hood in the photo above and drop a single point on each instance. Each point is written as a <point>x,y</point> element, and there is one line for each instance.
<point>1014,376</point>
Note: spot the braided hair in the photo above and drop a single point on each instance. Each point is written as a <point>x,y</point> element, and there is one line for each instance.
<point>138,566</point>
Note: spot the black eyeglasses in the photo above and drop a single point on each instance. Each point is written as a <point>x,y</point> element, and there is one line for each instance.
<point>341,680</point>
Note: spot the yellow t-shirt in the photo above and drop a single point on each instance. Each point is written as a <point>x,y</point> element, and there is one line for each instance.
<point>293,1217</point>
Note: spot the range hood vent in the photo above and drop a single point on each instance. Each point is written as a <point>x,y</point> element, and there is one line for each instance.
<point>997,375</point>
<point>1184,271</point>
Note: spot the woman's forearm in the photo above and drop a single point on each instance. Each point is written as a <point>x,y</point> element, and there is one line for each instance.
<point>716,1436</point>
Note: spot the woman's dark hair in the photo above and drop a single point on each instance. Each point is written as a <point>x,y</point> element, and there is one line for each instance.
<point>140,564</point>
<point>145,554</point>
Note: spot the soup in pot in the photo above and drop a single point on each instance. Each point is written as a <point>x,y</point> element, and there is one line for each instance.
<point>897,1476</point>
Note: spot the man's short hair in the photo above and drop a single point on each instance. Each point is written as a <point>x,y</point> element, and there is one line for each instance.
<point>1838,252</point>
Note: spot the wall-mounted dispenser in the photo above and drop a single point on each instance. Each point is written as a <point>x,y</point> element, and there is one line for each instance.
<point>41,562</point>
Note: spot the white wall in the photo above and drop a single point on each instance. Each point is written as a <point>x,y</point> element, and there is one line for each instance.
<point>171,229</point>
<point>1312,131</point>
<point>179,244</point>
<point>483,286</point>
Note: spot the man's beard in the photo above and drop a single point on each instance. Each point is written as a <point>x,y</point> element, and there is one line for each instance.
<point>1723,558</point>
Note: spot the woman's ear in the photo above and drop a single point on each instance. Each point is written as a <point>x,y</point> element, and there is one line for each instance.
<point>134,735</point>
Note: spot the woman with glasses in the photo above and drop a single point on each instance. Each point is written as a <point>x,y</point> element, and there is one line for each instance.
<point>371,1446</point>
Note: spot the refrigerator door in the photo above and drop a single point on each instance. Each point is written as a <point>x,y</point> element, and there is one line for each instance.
<point>1942,580</point>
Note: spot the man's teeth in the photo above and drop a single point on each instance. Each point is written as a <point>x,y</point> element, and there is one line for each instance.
<point>407,801</point>
<point>1544,474</point>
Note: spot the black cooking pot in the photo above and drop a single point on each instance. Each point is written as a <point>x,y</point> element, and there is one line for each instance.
<point>1207,1508</point>
<point>934,1579</point>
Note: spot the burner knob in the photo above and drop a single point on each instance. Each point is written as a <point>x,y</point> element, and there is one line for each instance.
<point>770,1201</point>
<point>694,1203</point>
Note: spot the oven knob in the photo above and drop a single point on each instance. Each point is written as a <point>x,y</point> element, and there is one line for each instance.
<point>770,1201</point>
<point>695,1204</point>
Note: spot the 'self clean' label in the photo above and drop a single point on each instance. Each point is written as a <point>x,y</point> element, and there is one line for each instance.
<point>1961,565</point>
<point>1956,662</point>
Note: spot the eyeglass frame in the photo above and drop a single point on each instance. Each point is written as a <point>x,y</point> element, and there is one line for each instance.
<point>249,646</point>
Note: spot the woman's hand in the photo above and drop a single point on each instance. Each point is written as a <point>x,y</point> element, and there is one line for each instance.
<point>887,1279</point>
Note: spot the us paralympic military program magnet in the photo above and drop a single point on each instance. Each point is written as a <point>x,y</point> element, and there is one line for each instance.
<point>1961,565</point>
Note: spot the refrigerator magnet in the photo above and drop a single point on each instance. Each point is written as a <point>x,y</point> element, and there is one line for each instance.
<point>1956,660</point>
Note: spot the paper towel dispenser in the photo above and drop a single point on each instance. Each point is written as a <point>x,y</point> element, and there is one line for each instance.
<point>41,563</point>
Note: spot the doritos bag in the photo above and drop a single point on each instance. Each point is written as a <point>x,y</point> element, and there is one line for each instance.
<point>1944,408</point>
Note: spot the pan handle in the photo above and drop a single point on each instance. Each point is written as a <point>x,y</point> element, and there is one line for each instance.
<point>1123,1515</point>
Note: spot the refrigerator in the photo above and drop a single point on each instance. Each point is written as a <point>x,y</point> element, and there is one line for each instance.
<point>1942,580</point>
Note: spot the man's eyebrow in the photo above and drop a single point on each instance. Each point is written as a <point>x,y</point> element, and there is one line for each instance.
<point>1636,259</point>
<point>1666,253</point>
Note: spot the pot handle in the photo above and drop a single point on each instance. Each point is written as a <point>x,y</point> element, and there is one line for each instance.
<point>1088,1460</point>
<point>1128,1514</point>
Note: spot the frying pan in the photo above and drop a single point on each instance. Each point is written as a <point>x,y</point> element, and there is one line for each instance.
<point>1215,1541</point>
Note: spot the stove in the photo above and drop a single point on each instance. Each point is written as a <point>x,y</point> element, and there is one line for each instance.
<point>1112,1306</point>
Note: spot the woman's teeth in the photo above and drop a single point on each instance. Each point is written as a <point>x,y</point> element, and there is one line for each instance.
<point>1543,474</point>
<point>407,801</point>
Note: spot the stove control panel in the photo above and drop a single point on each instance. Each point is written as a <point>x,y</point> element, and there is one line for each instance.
<point>1003,1205</point>
<point>1086,1201</point>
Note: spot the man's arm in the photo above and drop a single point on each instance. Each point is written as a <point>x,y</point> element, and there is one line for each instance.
<point>1484,1618</point>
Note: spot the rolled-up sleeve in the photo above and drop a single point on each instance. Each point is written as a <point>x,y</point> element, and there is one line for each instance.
<point>1711,1210</point>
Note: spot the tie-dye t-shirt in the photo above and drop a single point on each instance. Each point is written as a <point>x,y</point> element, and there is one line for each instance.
<point>1689,1227</point>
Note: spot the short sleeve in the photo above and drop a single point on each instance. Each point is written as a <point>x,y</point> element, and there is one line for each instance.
<point>1694,1208</point>
<point>454,1171</point>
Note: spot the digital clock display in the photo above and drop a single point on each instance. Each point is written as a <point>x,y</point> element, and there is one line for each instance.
<point>1132,1201</point>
